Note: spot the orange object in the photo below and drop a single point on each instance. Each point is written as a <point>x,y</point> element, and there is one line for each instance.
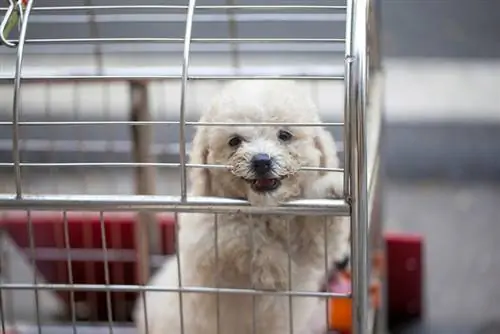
<point>401,262</point>
<point>340,318</point>
<point>340,312</point>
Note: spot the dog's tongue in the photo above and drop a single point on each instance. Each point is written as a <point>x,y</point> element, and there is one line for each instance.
<point>264,182</point>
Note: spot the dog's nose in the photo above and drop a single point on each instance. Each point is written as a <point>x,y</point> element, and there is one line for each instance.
<point>261,163</point>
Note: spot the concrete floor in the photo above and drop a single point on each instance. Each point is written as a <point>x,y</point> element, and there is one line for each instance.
<point>460,224</point>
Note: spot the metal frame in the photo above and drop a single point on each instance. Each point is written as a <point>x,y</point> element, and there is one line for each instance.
<point>360,71</point>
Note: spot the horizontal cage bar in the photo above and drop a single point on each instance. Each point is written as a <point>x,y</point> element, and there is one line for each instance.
<point>178,40</point>
<point>42,78</point>
<point>114,146</point>
<point>137,164</point>
<point>181,7</point>
<point>321,207</point>
<point>182,289</point>
<point>40,123</point>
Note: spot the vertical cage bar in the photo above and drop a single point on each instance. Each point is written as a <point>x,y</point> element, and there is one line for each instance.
<point>357,89</point>
<point>327,272</point>
<point>107,278</point>
<point>60,243</point>
<point>251,264</point>
<point>7,301</point>
<point>121,309</point>
<point>179,274</point>
<point>69,263</point>
<point>51,154</point>
<point>4,317</point>
<point>182,116</point>
<point>88,313</point>
<point>16,156</point>
<point>217,279</point>
<point>347,99</point>
<point>142,295</point>
<point>32,246</point>
<point>290,283</point>
<point>377,103</point>
<point>2,314</point>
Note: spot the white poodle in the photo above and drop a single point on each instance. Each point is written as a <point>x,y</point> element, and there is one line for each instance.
<point>255,251</point>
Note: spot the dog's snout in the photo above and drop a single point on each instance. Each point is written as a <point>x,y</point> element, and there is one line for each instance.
<point>261,163</point>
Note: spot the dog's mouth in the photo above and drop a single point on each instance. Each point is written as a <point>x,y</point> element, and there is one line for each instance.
<point>263,185</point>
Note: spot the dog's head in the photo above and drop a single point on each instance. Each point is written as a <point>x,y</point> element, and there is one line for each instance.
<point>263,162</point>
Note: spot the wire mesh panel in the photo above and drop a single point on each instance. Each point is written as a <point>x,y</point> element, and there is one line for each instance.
<point>100,101</point>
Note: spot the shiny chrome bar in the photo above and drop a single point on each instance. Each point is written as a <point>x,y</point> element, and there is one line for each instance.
<point>169,203</point>
<point>16,154</point>
<point>184,289</point>
<point>356,84</point>
<point>96,77</point>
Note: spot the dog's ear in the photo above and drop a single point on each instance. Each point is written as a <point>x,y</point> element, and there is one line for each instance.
<point>200,177</point>
<point>328,149</point>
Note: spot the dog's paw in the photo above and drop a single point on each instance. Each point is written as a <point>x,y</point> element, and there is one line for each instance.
<point>343,263</point>
<point>329,186</point>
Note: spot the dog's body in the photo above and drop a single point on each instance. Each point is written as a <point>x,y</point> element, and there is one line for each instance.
<point>241,251</point>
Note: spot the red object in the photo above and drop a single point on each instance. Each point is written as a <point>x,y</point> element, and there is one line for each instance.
<point>404,277</point>
<point>86,252</point>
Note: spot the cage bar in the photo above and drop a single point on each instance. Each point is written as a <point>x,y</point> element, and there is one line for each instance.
<point>360,75</point>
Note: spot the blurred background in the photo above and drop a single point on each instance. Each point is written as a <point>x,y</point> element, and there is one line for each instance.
<point>441,151</point>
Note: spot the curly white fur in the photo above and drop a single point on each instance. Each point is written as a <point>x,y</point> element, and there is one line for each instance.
<point>253,251</point>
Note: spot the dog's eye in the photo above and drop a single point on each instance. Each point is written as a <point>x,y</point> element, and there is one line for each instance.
<point>235,141</point>
<point>284,135</point>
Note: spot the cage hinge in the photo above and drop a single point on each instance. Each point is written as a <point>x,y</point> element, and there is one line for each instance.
<point>14,16</point>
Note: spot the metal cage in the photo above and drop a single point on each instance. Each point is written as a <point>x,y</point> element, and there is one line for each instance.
<point>70,177</point>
